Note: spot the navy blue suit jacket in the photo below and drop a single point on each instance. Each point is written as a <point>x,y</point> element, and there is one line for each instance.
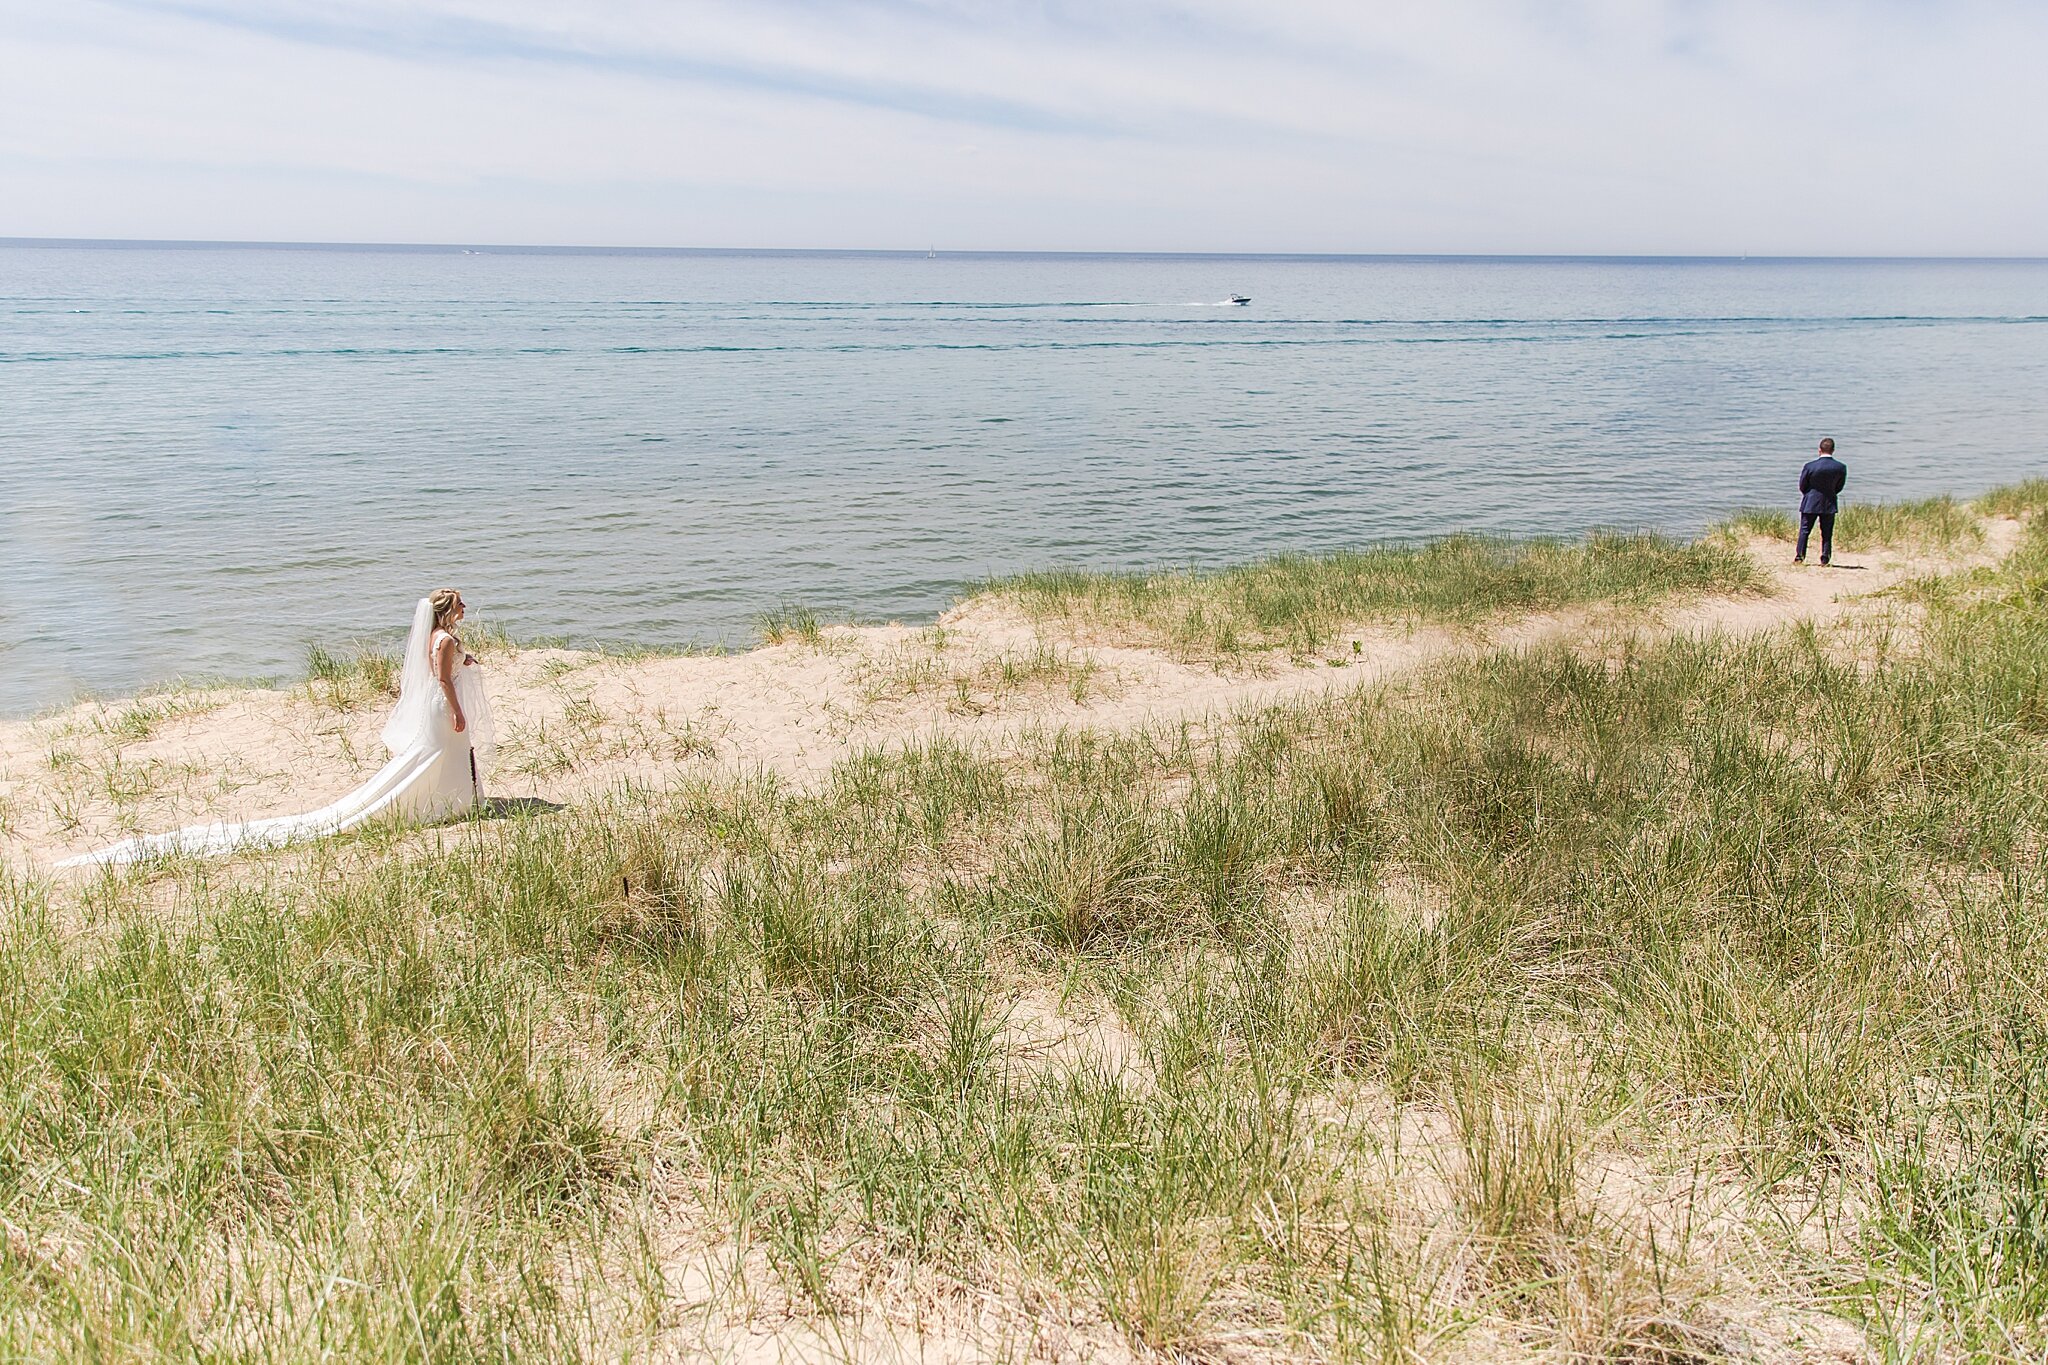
<point>1821,481</point>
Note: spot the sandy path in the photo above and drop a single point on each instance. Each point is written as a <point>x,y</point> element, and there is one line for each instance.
<point>573,724</point>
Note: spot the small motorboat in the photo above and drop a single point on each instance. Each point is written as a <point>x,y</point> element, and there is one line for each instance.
<point>1239,298</point>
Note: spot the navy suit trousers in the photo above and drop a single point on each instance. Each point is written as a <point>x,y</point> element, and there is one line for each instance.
<point>1827,534</point>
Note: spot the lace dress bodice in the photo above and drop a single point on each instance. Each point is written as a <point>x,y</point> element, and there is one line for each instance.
<point>481,733</point>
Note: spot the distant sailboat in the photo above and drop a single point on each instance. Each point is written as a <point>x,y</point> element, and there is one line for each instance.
<point>931,253</point>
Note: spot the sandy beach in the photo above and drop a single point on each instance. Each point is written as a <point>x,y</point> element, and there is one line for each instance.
<point>576,724</point>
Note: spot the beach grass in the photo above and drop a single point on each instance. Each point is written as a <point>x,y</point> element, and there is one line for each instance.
<point>1675,1002</point>
<point>975,686</point>
<point>2023,499</point>
<point>789,622</point>
<point>1299,602</point>
<point>1942,523</point>
<point>351,678</point>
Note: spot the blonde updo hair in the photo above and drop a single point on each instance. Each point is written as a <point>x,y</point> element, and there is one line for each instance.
<point>442,601</point>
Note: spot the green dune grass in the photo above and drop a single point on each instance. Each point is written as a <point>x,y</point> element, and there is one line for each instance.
<point>1113,1029</point>
<point>1299,601</point>
<point>1928,523</point>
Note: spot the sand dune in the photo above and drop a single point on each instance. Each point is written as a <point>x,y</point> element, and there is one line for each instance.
<point>576,723</point>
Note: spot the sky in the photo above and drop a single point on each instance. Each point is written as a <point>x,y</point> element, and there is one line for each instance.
<point>1654,127</point>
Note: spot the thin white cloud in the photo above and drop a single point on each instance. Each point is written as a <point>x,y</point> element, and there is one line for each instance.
<point>1855,126</point>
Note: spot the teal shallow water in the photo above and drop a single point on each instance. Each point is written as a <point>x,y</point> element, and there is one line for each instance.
<point>214,457</point>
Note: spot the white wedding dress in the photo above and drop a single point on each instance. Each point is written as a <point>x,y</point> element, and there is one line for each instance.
<point>435,772</point>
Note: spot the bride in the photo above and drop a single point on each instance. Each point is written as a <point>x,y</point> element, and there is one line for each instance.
<point>440,740</point>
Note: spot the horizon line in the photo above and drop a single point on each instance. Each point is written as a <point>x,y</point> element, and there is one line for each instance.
<point>575,249</point>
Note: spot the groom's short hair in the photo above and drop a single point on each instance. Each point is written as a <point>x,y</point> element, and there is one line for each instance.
<point>1827,445</point>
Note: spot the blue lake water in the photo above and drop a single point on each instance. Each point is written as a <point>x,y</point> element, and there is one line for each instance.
<point>211,458</point>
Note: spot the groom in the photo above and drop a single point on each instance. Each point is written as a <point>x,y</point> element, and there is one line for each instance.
<point>1820,483</point>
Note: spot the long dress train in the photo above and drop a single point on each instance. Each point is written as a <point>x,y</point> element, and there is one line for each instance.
<point>435,772</point>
